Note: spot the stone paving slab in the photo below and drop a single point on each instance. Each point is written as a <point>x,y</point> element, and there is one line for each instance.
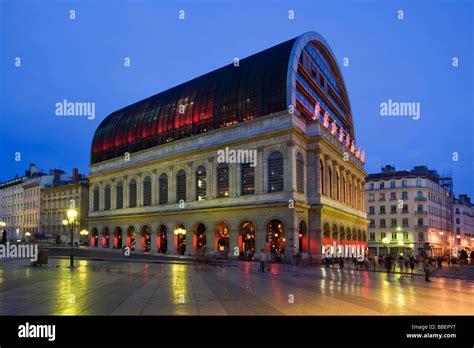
<point>131,288</point>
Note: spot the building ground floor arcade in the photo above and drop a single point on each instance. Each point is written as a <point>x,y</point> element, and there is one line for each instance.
<point>239,232</point>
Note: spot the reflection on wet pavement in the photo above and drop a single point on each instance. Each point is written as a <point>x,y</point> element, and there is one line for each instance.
<point>132,288</point>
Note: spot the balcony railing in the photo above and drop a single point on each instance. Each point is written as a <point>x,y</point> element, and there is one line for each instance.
<point>421,212</point>
<point>421,227</point>
<point>420,198</point>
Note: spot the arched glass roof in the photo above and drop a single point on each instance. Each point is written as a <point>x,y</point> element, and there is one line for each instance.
<point>261,84</point>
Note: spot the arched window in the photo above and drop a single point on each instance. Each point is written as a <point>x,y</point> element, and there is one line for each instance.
<point>338,189</point>
<point>132,193</point>
<point>119,196</point>
<point>147,191</point>
<point>321,178</point>
<point>163,184</point>
<point>247,179</point>
<point>181,185</point>
<point>299,173</point>
<point>96,199</point>
<point>330,182</point>
<point>107,197</point>
<point>201,183</point>
<point>275,172</point>
<point>222,180</point>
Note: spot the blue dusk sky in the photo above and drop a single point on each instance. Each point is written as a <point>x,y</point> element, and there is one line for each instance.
<point>81,60</point>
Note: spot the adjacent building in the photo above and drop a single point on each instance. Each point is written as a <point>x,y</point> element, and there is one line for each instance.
<point>21,203</point>
<point>409,211</point>
<point>463,224</point>
<point>57,199</point>
<point>259,154</point>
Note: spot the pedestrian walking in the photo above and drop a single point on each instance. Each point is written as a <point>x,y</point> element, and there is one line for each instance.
<point>427,269</point>
<point>341,262</point>
<point>263,258</point>
<point>388,263</point>
<point>412,264</point>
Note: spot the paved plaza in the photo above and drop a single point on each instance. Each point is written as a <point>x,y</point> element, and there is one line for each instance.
<point>137,288</point>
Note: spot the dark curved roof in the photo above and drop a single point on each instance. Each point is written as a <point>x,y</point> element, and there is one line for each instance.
<point>262,84</point>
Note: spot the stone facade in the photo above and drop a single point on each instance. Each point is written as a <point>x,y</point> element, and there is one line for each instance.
<point>303,216</point>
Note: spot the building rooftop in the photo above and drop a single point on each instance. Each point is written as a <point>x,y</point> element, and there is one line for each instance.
<point>261,84</point>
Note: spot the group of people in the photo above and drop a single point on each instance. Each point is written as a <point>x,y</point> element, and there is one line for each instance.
<point>266,259</point>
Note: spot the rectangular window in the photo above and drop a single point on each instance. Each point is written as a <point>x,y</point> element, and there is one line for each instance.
<point>405,208</point>
<point>405,235</point>
<point>393,222</point>
<point>393,209</point>
<point>372,236</point>
<point>393,196</point>
<point>372,223</point>
<point>405,222</point>
<point>382,209</point>
<point>394,235</point>
<point>381,196</point>
<point>247,179</point>
<point>383,235</point>
<point>382,223</point>
<point>404,195</point>
<point>371,210</point>
<point>371,197</point>
<point>421,236</point>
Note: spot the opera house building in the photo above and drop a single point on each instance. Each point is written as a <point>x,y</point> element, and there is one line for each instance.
<point>259,154</point>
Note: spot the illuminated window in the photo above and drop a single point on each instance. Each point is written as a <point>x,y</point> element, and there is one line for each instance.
<point>201,183</point>
<point>300,173</point>
<point>107,197</point>
<point>96,199</point>
<point>222,180</point>
<point>132,193</point>
<point>147,191</point>
<point>181,185</point>
<point>163,186</point>
<point>247,179</point>
<point>275,172</point>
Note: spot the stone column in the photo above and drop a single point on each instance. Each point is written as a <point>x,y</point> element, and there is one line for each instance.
<point>190,187</point>
<point>261,172</point>
<point>113,194</point>
<point>189,240</point>
<point>125,192</point>
<point>139,190</point>
<point>154,188</point>
<point>233,241</point>
<point>211,179</point>
<point>290,168</point>
<point>291,235</point>
<point>315,245</point>
<point>234,180</point>
<point>154,235</point>
<point>170,239</point>
<point>210,235</point>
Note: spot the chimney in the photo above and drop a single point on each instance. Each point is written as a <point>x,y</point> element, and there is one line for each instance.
<point>75,176</point>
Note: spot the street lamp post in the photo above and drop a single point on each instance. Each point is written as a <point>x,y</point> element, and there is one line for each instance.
<point>71,218</point>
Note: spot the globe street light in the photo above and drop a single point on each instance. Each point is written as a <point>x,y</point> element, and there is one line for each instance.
<point>386,242</point>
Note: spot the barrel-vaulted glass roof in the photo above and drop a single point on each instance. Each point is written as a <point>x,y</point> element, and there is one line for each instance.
<point>300,72</point>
